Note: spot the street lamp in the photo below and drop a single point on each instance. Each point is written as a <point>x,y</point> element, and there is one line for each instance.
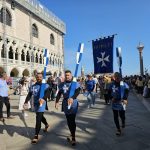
<point>140,49</point>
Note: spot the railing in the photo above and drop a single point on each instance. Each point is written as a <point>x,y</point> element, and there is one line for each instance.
<point>10,61</point>
<point>3,60</point>
<point>28,63</point>
<point>16,61</point>
<point>35,65</point>
<point>35,7</point>
<point>23,62</point>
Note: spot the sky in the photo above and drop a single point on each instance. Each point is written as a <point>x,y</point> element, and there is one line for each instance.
<point>87,20</point>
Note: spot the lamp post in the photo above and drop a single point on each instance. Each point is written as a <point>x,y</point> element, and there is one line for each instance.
<point>140,49</point>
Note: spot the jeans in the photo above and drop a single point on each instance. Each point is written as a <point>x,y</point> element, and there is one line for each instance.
<point>4,100</point>
<point>91,98</point>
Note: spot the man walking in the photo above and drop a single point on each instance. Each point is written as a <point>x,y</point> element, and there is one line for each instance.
<point>4,96</point>
<point>64,89</point>
<point>119,94</point>
<point>39,105</point>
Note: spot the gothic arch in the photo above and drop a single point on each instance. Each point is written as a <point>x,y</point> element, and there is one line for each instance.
<point>22,55</point>
<point>28,56</point>
<point>14,73</point>
<point>10,53</point>
<point>3,54</point>
<point>36,58</point>
<point>8,16</point>
<point>35,30</point>
<point>26,72</point>
<point>16,54</point>
<point>52,39</point>
<point>1,70</point>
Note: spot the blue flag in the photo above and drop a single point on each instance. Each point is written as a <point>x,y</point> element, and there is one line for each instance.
<point>103,55</point>
<point>78,60</point>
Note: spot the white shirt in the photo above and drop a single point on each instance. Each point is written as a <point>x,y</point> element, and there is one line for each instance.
<point>96,81</point>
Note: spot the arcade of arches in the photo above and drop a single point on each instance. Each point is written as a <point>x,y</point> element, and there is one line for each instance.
<point>22,59</point>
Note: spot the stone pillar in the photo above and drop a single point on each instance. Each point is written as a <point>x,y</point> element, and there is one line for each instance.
<point>19,55</point>
<point>7,60</point>
<point>140,48</point>
<point>31,63</point>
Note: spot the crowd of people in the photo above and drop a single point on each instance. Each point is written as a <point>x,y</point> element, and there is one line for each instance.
<point>112,88</point>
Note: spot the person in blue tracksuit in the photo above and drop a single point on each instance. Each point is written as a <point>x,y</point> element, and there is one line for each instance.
<point>40,105</point>
<point>119,94</point>
<point>70,114</point>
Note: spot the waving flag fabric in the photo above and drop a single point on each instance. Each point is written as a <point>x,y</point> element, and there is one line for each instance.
<point>103,55</point>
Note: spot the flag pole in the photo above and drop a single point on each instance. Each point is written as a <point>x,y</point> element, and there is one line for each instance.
<point>42,89</point>
<point>119,58</point>
<point>73,84</point>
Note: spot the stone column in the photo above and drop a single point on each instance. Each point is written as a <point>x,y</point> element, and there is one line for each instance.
<point>25,53</point>
<point>140,48</point>
<point>31,63</point>
<point>19,55</point>
<point>6,60</point>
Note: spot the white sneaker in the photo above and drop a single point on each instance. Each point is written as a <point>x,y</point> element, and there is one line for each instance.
<point>89,106</point>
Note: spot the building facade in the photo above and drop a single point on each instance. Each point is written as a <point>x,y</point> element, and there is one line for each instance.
<point>26,28</point>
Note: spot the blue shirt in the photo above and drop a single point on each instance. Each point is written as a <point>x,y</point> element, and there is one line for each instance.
<point>118,93</point>
<point>90,84</point>
<point>35,90</point>
<point>64,88</point>
<point>3,88</point>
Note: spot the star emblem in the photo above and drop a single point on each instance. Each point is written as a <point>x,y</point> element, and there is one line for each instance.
<point>114,89</point>
<point>65,88</point>
<point>103,59</point>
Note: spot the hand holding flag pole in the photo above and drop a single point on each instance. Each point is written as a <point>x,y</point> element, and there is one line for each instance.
<point>78,60</point>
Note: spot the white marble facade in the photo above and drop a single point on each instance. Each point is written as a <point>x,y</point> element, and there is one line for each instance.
<point>26,34</point>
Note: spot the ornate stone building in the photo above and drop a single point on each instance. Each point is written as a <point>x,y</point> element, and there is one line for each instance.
<point>26,28</point>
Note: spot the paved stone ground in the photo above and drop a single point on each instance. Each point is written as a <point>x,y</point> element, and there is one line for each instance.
<point>95,128</point>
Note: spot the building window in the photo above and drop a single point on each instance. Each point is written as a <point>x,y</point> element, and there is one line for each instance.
<point>3,52</point>
<point>36,58</point>
<point>11,53</point>
<point>40,59</point>
<point>6,13</point>
<point>23,56</point>
<point>34,31</point>
<point>28,57</point>
<point>16,55</point>
<point>52,40</point>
